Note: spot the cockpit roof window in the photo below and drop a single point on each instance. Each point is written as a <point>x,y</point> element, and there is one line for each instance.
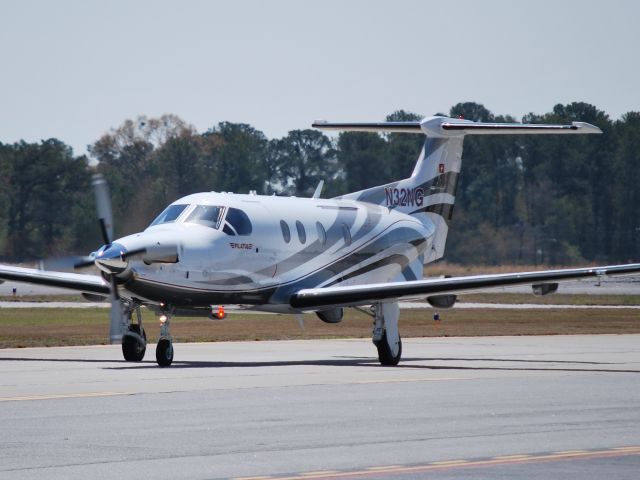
<point>207,215</point>
<point>169,214</point>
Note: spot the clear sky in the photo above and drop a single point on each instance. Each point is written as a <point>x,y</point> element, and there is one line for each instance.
<point>74,69</point>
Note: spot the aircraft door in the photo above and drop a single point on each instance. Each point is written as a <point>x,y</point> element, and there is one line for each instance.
<point>257,251</point>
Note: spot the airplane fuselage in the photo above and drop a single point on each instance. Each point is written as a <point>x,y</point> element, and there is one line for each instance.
<point>255,250</point>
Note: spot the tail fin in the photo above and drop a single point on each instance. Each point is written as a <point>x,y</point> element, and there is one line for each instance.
<point>429,194</point>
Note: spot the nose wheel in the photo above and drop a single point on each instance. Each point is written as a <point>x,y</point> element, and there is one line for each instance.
<point>164,348</point>
<point>164,352</point>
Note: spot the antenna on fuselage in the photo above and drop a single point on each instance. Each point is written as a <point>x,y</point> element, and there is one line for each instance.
<point>318,191</point>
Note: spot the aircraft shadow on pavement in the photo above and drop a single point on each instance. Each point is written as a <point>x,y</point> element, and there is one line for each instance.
<point>373,363</point>
<point>349,362</point>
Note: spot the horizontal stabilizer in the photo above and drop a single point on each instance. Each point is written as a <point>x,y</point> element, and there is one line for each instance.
<point>398,127</point>
<point>437,127</point>
<point>479,128</point>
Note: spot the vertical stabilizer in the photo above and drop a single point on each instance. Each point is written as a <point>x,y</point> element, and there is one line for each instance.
<point>429,194</point>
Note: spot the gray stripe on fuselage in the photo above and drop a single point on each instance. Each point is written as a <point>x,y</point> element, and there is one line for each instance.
<point>372,220</point>
<point>408,274</point>
<point>185,296</point>
<point>383,241</point>
<point>345,216</point>
<point>401,260</point>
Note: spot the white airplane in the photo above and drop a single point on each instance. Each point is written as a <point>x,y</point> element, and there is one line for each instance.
<point>295,255</point>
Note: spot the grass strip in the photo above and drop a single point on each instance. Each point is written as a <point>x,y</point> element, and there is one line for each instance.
<point>60,326</point>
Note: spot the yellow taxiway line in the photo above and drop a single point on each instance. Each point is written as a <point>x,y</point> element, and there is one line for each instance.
<point>454,464</point>
<point>62,395</point>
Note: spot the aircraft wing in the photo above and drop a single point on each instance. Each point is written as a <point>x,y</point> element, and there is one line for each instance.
<point>72,281</point>
<point>313,298</point>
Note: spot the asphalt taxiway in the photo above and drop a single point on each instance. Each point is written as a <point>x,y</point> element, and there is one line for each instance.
<point>489,407</point>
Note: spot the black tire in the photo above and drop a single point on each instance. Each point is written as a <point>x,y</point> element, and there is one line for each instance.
<point>164,352</point>
<point>132,349</point>
<point>384,352</point>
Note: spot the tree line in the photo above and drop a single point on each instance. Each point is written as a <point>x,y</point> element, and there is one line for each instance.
<point>520,200</point>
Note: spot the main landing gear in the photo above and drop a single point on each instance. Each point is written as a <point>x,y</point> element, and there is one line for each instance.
<point>134,339</point>
<point>386,336</point>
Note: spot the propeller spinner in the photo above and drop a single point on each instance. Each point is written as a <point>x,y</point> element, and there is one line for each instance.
<point>112,258</point>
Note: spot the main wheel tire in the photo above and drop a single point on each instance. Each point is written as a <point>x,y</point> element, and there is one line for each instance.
<point>164,352</point>
<point>132,349</point>
<point>384,352</point>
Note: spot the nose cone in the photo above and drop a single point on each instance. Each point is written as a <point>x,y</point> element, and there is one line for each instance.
<point>112,258</point>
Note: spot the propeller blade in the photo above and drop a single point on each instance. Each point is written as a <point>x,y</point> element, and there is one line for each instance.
<point>65,264</point>
<point>85,262</point>
<point>116,316</point>
<point>103,206</point>
<point>104,231</point>
<point>114,288</point>
<point>115,322</point>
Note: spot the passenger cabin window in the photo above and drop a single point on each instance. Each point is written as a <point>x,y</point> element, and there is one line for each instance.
<point>302,235</point>
<point>206,215</point>
<point>286,233</point>
<point>346,234</point>
<point>169,214</point>
<point>237,223</point>
<point>322,234</point>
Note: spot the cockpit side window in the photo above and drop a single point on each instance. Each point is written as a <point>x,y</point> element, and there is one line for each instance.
<point>237,223</point>
<point>169,214</point>
<point>207,215</point>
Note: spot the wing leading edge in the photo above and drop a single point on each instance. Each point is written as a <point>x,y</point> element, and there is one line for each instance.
<point>72,281</point>
<point>312,298</point>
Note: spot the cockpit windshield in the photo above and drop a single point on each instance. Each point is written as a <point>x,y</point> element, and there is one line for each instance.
<point>169,215</point>
<point>206,215</point>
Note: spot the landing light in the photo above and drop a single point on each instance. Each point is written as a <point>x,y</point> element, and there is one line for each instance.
<point>163,319</point>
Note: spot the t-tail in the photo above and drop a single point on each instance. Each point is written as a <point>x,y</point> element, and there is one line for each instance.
<point>430,193</point>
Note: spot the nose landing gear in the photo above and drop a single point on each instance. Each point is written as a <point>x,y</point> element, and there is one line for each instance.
<point>164,349</point>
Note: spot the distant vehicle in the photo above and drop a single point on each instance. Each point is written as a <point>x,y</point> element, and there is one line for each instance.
<point>294,255</point>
